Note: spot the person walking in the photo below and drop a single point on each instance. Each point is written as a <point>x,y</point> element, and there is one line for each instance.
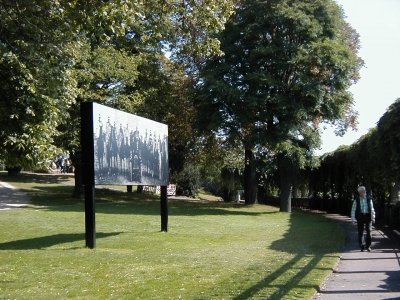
<point>363,212</point>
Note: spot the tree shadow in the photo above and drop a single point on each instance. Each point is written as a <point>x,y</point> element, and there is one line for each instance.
<point>318,246</point>
<point>387,242</point>
<point>50,240</point>
<point>309,230</point>
<point>305,239</point>
<point>186,208</point>
<point>282,289</point>
<point>58,198</point>
<point>44,178</point>
<point>392,282</point>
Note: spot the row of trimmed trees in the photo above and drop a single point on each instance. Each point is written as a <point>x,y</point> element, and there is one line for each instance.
<point>373,161</point>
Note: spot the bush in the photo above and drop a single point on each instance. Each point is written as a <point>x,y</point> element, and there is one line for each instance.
<point>212,186</point>
<point>225,185</point>
<point>187,181</point>
<point>13,171</point>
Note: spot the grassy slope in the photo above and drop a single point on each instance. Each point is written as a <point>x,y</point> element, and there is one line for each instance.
<point>212,250</point>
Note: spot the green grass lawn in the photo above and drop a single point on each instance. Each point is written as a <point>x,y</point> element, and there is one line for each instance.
<point>213,250</point>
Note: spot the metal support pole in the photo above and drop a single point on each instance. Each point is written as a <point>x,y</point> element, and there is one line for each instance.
<point>90,217</point>
<point>164,208</point>
<point>87,144</point>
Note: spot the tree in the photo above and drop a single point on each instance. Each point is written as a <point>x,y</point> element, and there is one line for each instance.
<point>35,85</point>
<point>119,61</point>
<point>194,30</point>
<point>169,99</point>
<point>286,64</point>
<point>293,155</point>
<point>53,54</point>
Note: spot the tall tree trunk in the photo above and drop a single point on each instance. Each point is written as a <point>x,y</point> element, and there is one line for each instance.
<point>250,181</point>
<point>285,185</point>
<point>77,163</point>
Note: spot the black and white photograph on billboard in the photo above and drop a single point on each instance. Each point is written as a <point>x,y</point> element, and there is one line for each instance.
<point>128,149</point>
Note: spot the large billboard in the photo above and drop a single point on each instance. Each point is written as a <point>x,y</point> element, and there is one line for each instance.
<point>128,149</point>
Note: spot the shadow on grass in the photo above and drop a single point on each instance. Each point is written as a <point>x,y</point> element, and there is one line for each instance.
<point>58,198</point>
<point>44,178</point>
<point>50,240</point>
<point>307,239</point>
<point>282,289</point>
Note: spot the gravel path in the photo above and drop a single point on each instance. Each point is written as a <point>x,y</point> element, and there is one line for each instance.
<point>11,197</point>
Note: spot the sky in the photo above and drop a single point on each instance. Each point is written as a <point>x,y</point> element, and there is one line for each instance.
<point>378,23</point>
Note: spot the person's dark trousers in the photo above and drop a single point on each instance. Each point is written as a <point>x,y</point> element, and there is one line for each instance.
<point>364,222</point>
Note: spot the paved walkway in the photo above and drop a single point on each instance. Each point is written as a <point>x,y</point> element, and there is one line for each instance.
<point>10,197</point>
<point>365,275</point>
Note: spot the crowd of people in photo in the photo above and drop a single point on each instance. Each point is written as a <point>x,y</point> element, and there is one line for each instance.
<point>126,155</point>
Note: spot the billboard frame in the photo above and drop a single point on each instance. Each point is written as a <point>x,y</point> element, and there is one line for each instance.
<point>88,175</point>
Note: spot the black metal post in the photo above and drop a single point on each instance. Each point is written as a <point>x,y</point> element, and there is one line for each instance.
<point>164,208</point>
<point>87,144</point>
<point>90,217</point>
